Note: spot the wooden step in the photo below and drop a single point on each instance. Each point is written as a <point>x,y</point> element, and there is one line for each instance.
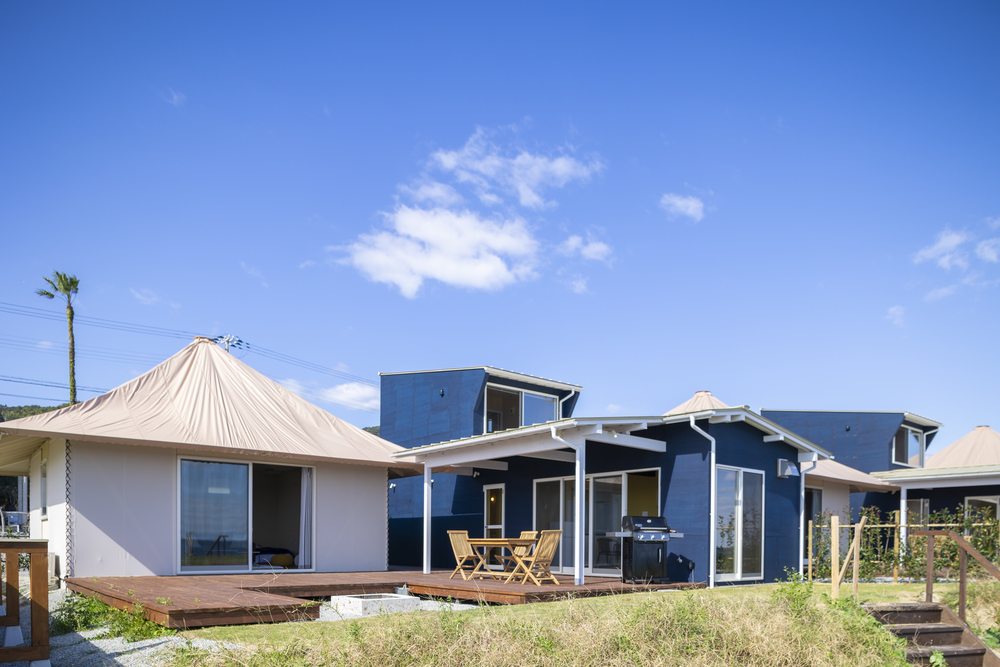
<point>930,634</point>
<point>955,655</point>
<point>905,613</point>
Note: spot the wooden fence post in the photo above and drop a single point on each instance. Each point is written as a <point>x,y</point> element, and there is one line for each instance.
<point>930,569</point>
<point>810,577</point>
<point>895,562</point>
<point>835,556</point>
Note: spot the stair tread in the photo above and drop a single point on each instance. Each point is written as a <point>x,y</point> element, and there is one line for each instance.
<point>945,649</point>
<point>924,627</point>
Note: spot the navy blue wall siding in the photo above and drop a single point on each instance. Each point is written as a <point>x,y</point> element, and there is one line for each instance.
<point>743,446</point>
<point>951,498</point>
<point>413,412</point>
<point>866,447</point>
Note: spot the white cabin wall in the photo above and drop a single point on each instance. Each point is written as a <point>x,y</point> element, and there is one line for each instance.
<point>836,500</point>
<point>351,518</point>
<point>125,502</point>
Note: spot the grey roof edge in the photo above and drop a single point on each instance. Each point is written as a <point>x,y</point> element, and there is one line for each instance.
<point>924,473</point>
<point>907,416</point>
<point>499,372</point>
<point>651,420</point>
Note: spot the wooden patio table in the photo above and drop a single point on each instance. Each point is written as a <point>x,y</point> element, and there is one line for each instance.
<point>508,543</point>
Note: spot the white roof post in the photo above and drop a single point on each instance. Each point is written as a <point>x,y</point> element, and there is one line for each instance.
<point>427,517</point>
<point>579,545</point>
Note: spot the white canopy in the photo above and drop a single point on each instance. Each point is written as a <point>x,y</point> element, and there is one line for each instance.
<point>702,400</point>
<point>980,447</point>
<point>201,398</point>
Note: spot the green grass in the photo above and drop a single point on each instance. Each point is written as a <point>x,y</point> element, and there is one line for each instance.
<point>79,612</point>
<point>777,625</point>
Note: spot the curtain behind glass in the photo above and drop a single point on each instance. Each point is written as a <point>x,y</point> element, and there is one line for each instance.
<point>214,515</point>
<point>305,527</point>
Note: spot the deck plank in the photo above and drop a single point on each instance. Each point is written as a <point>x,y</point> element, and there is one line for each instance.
<point>188,601</point>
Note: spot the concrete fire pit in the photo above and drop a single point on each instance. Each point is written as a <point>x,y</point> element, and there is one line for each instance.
<point>373,604</point>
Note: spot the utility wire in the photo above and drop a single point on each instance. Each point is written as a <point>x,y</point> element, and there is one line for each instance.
<point>36,398</point>
<point>44,383</point>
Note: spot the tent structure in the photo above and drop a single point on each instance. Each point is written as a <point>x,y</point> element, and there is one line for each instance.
<point>203,464</point>
<point>702,400</point>
<point>980,447</point>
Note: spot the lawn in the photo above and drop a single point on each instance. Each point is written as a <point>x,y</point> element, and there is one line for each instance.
<point>786,624</point>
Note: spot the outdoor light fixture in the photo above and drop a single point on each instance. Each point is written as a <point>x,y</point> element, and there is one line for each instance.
<point>393,487</point>
<point>442,392</point>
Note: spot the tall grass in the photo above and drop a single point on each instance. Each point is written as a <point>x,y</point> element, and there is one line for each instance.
<point>787,627</point>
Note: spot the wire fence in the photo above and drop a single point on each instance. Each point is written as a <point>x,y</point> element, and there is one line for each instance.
<point>889,549</point>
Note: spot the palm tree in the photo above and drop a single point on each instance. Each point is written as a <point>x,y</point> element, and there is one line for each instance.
<point>67,287</point>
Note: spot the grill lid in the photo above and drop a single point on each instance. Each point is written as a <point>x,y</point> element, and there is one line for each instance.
<point>645,523</point>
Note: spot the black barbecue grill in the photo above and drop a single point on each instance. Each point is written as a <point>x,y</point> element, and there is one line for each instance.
<point>644,548</point>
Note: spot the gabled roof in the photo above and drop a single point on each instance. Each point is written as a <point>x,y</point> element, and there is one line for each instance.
<point>499,372</point>
<point>857,480</point>
<point>702,400</point>
<point>910,417</point>
<point>201,398</point>
<point>979,447</point>
<point>921,474</point>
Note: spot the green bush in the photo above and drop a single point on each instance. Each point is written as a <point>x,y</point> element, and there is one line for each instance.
<point>79,612</point>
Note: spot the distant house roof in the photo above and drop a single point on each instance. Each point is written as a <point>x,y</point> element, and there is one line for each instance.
<point>499,372</point>
<point>979,447</point>
<point>910,417</point>
<point>931,478</point>
<point>702,400</point>
<point>857,480</point>
<point>201,398</point>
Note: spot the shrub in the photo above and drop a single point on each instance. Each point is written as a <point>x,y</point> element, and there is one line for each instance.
<point>79,612</point>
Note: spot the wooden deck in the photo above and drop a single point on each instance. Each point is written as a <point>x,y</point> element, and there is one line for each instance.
<point>200,600</point>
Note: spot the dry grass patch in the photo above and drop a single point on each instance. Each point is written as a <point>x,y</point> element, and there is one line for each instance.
<point>787,625</point>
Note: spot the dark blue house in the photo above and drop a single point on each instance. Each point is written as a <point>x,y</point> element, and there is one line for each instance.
<point>869,442</point>
<point>511,456</point>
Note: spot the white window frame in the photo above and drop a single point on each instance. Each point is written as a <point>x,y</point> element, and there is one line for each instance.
<point>923,515</point>
<point>989,499</point>
<point>738,556</point>
<point>503,512</point>
<point>588,478</point>
<point>249,463</point>
<point>520,403</point>
<point>43,488</point>
<point>921,437</point>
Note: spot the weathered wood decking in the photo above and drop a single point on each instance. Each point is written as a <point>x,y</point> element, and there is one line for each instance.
<point>201,600</point>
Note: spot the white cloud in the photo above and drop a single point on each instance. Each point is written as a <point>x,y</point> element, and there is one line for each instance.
<point>683,206</point>
<point>44,344</point>
<point>458,248</point>
<point>994,223</point>
<point>146,297</point>
<point>254,272</point>
<point>578,284</point>
<point>351,394</point>
<point>595,250</point>
<point>488,168</point>
<point>613,409</point>
<point>940,293</point>
<point>895,315</point>
<point>434,192</point>
<point>306,264</point>
<point>175,98</point>
<point>989,250</point>
<point>946,251</point>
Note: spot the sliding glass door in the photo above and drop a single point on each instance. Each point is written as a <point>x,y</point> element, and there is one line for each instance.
<point>607,498</point>
<point>237,516</point>
<point>739,527</point>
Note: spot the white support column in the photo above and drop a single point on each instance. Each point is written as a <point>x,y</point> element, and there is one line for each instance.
<point>427,518</point>
<point>902,514</point>
<point>580,546</point>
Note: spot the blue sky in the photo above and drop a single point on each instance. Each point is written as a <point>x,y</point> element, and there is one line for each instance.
<point>793,206</point>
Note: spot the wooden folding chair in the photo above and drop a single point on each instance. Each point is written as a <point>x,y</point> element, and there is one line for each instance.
<point>466,557</point>
<point>538,563</point>
<point>509,561</point>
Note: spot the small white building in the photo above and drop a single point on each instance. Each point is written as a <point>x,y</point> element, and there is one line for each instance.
<point>203,465</point>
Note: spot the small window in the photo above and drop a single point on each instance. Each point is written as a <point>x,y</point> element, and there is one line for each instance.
<point>43,490</point>
<point>510,408</point>
<point>919,510</point>
<point>908,448</point>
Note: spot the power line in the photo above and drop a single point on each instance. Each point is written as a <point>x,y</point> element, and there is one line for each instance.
<point>45,383</point>
<point>36,398</point>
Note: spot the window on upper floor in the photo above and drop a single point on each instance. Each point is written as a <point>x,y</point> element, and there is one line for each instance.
<point>908,447</point>
<point>510,408</point>
<point>43,490</point>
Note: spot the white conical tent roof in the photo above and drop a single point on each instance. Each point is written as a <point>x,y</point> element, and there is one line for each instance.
<point>702,400</point>
<point>202,397</point>
<point>981,447</point>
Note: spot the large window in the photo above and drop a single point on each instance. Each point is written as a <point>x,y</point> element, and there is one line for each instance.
<point>919,511</point>
<point>984,506</point>
<point>237,516</point>
<point>908,447</point>
<point>510,408</point>
<point>739,527</point>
